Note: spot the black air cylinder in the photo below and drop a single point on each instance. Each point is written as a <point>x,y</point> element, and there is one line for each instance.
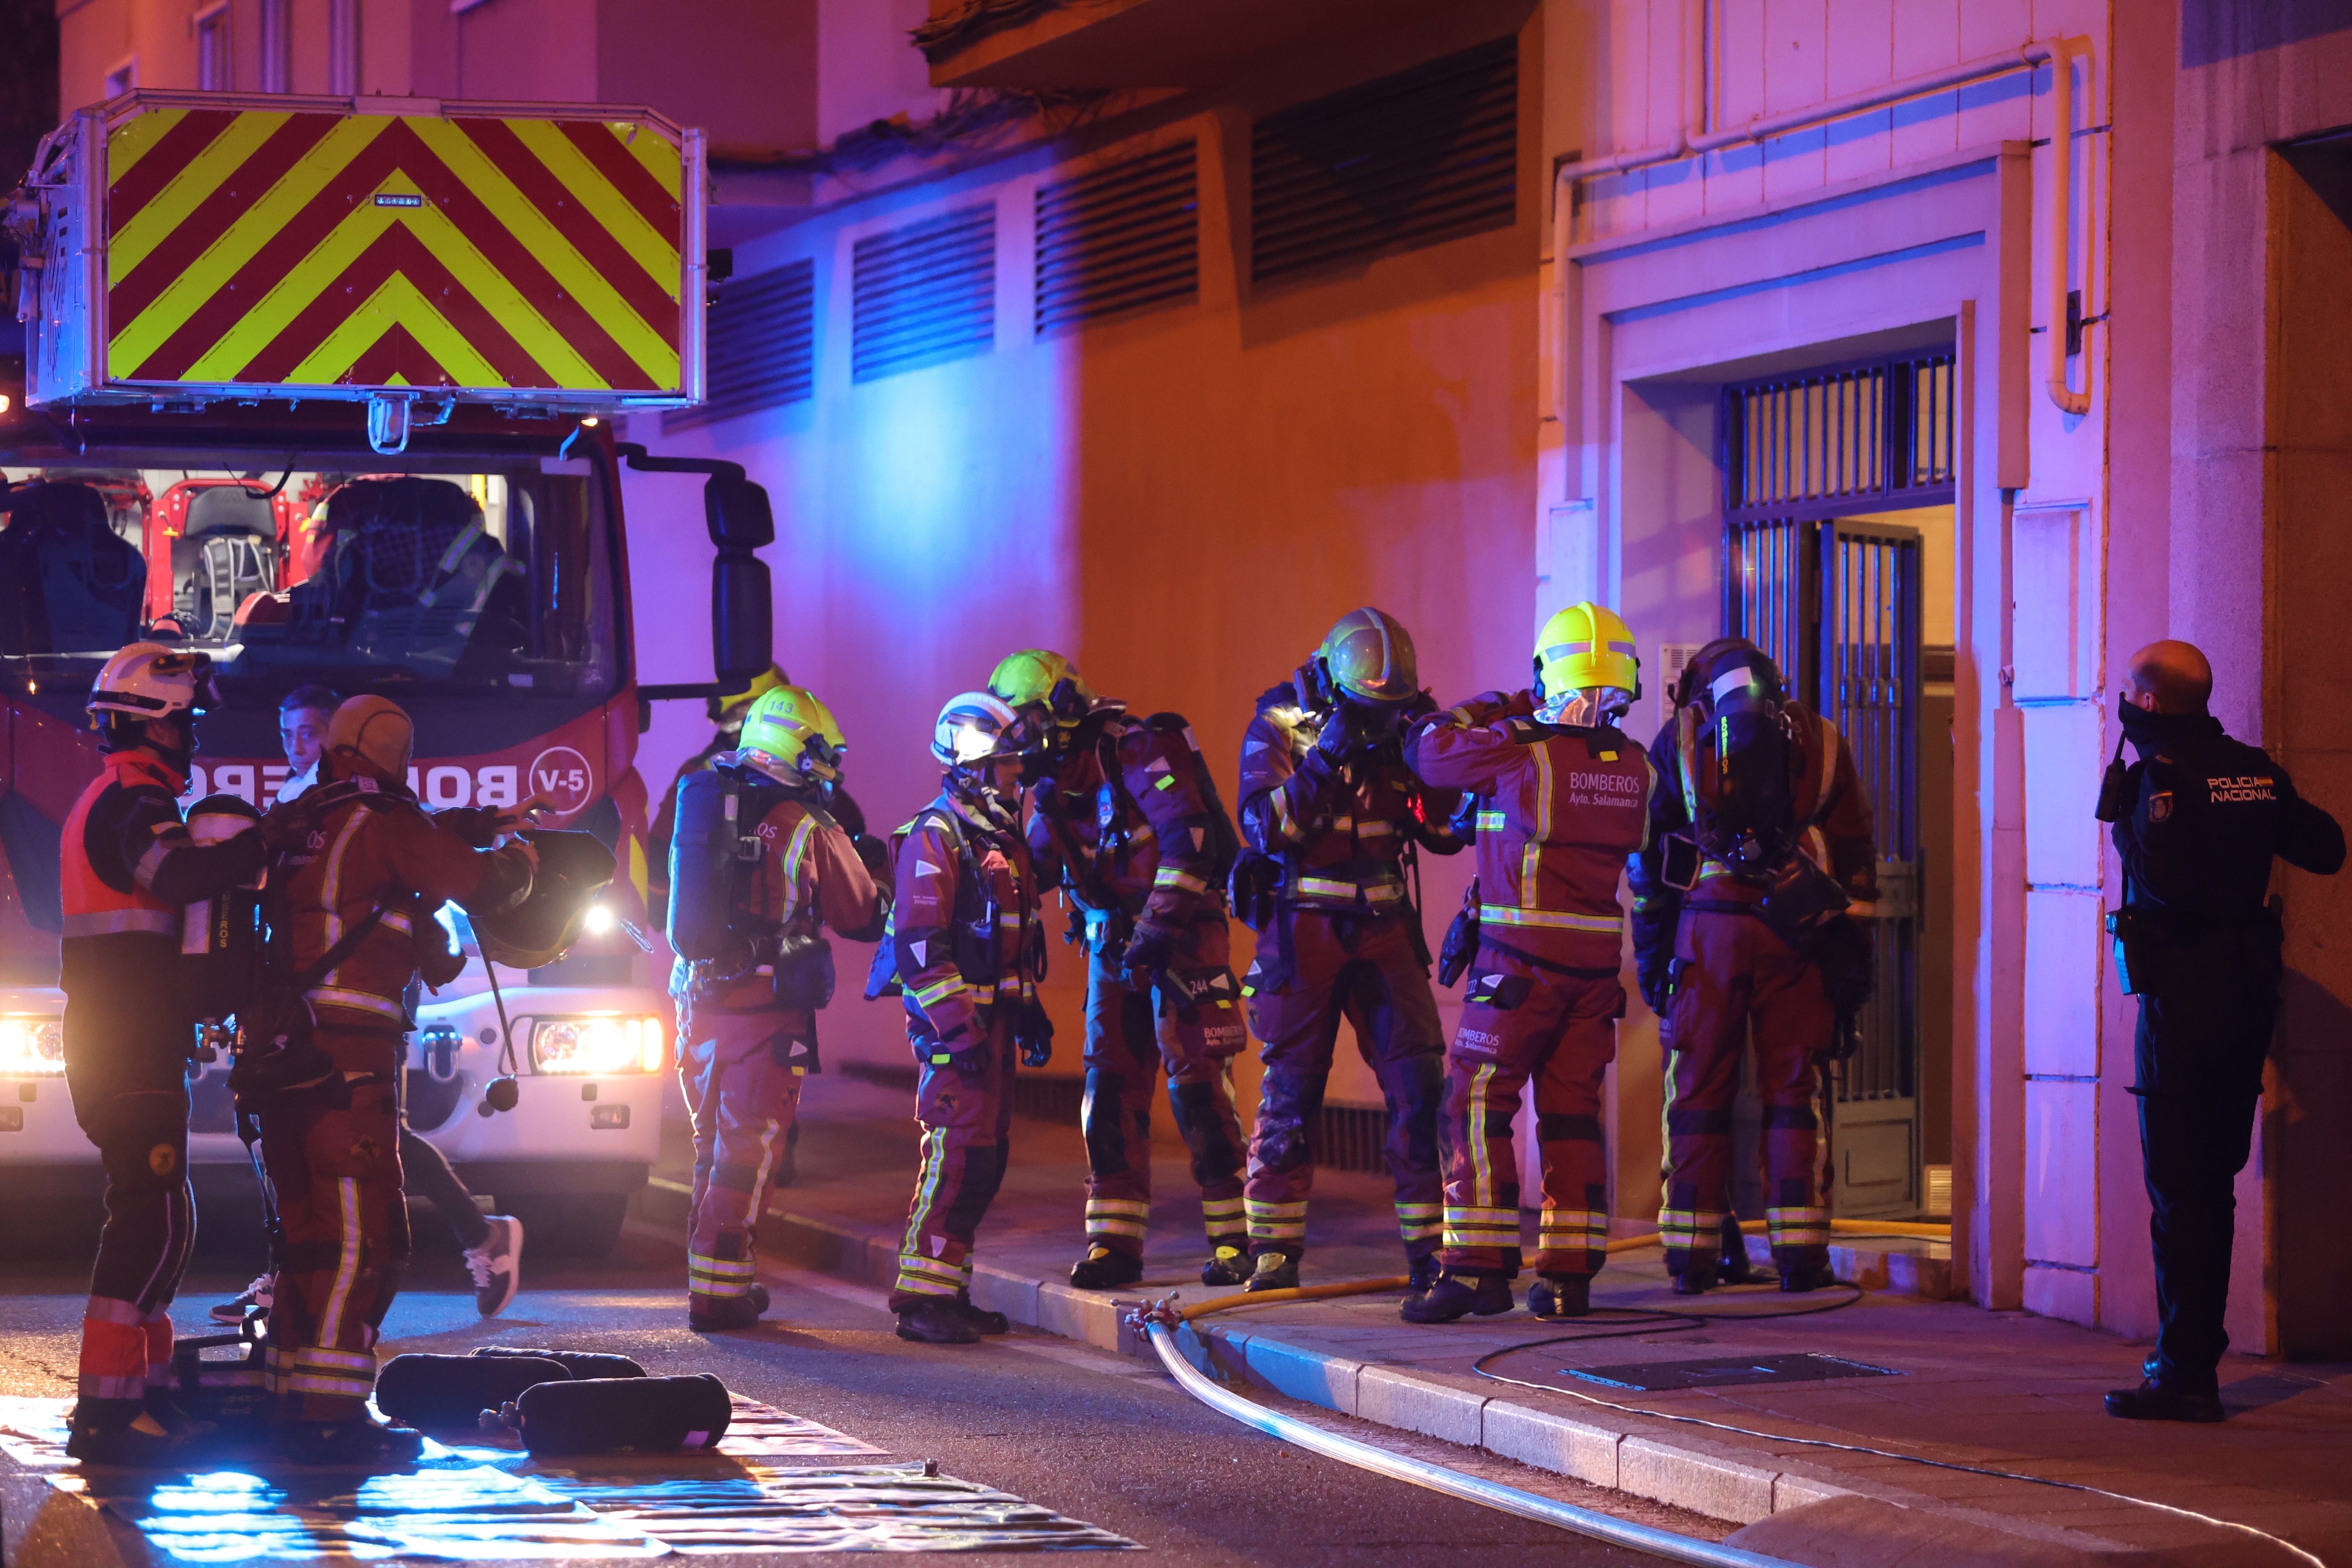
<point>453,1390</point>
<point>603,1415</point>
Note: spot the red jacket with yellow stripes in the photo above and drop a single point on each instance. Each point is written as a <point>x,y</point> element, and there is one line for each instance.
<point>1126,806</point>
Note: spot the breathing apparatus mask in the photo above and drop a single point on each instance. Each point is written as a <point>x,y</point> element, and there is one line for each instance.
<point>1748,810</point>
<point>975,733</point>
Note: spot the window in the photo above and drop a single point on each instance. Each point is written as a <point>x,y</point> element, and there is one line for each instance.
<point>277,46</point>
<point>1120,239</point>
<point>214,70</point>
<point>1826,442</point>
<point>924,294</point>
<point>762,338</point>
<point>344,46</point>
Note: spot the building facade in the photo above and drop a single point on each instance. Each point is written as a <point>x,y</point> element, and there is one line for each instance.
<point>1952,349</point>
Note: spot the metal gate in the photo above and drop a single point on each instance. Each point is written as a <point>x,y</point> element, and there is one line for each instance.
<point>1836,604</point>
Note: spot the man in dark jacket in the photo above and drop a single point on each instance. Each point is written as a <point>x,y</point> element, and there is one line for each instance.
<point>2197,820</point>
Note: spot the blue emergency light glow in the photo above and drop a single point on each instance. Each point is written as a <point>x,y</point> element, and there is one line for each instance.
<point>399,201</point>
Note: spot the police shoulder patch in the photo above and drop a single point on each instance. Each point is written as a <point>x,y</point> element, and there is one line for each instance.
<point>2160,805</point>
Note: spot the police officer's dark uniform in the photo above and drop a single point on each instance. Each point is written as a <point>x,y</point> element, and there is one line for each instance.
<point>2202,950</point>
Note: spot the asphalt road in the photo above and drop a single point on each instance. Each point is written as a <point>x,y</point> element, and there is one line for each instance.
<point>1093,1436</point>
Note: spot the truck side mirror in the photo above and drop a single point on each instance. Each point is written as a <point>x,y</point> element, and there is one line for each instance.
<point>742,617</point>
<point>738,514</point>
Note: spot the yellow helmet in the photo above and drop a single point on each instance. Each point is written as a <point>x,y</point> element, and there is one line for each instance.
<point>1037,677</point>
<point>1368,656</point>
<point>730,709</point>
<point>1585,647</point>
<point>792,737</point>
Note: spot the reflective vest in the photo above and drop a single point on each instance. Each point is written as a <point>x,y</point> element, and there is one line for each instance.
<point>92,907</point>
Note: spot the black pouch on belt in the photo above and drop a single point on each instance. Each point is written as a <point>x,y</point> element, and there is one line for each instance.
<point>1800,902</point>
<point>2130,930</point>
<point>1461,943</point>
<point>803,973</point>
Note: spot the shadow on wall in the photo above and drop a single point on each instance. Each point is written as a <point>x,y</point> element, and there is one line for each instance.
<point>2216,30</point>
<point>2311,1170</point>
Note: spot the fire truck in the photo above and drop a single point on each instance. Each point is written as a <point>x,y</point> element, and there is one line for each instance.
<point>327,388</point>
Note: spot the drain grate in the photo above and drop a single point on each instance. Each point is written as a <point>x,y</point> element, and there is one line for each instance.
<point>1726,1372</point>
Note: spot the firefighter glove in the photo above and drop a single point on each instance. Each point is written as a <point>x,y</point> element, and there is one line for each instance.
<point>1151,950</point>
<point>1033,1033</point>
<point>874,854</point>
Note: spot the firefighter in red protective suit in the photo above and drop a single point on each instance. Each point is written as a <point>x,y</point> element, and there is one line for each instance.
<point>1334,816</point>
<point>348,912</point>
<point>1129,825</point>
<point>1562,799</point>
<point>1748,905</point>
<point>967,945</point>
<point>747,1022</point>
<point>129,866</point>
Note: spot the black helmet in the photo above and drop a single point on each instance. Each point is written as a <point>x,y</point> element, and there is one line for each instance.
<point>573,868</point>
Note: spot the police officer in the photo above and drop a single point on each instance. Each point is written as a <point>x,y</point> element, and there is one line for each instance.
<point>1334,816</point>
<point>1759,865</point>
<point>968,948</point>
<point>1562,798</point>
<point>747,1024</point>
<point>351,904</point>
<point>129,866</point>
<point>2197,821</point>
<point>1128,823</point>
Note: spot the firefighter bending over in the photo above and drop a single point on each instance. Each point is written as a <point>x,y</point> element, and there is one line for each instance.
<point>968,948</point>
<point>1562,799</point>
<point>1748,905</point>
<point>1335,818</point>
<point>758,869</point>
<point>1129,825</point>
<point>129,866</point>
<point>350,910</point>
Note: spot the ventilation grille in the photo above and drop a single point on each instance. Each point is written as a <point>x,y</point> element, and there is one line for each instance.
<point>925,294</point>
<point>1427,155</point>
<point>1120,239</point>
<point>1811,444</point>
<point>762,336</point>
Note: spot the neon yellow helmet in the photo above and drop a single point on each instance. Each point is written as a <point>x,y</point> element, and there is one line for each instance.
<point>792,737</point>
<point>730,709</point>
<point>1037,677</point>
<point>1369,655</point>
<point>1585,647</point>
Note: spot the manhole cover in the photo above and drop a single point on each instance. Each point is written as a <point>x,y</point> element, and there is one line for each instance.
<point>1724,1371</point>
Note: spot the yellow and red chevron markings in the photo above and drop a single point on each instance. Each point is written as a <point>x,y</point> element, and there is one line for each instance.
<point>386,250</point>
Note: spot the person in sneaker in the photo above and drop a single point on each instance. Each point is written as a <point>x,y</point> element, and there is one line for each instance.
<point>129,866</point>
<point>1336,820</point>
<point>371,864</point>
<point>967,948</point>
<point>1562,797</point>
<point>747,1024</point>
<point>1129,826</point>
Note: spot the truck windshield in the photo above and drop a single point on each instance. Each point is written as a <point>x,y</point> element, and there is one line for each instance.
<point>456,579</point>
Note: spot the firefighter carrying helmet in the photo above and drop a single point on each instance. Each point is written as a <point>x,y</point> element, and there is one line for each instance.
<point>1585,661</point>
<point>574,868</point>
<point>792,738</point>
<point>974,726</point>
<point>1368,656</point>
<point>148,680</point>
<point>1037,677</point>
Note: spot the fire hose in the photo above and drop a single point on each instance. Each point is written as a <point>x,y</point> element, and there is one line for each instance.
<point>1161,1319</point>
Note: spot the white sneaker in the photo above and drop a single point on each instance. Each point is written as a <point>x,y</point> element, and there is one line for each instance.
<point>496,1265</point>
<point>254,1295</point>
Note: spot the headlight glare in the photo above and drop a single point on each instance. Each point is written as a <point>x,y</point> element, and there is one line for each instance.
<point>32,1045</point>
<point>598,1047</point>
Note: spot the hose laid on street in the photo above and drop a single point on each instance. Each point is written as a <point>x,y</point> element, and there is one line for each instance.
<point>1436,1478</point>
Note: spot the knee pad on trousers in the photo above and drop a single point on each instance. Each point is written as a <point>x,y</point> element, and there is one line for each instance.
<point>1196,1109</point>
<point>147,1149</point>
<point>361,1142</point>
<point>1283,1148</point>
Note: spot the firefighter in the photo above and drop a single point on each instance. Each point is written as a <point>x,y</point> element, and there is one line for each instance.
<point>2197,821</point>
<point>129,865</point>
<point>1335,818</point>
<point>371,866</point>
<point>967,946</point>
<point>727,715</point>
<point>1562,799</point>
<point>1129,825</point>
<point>1749,909</point>
<point>747,1024</point>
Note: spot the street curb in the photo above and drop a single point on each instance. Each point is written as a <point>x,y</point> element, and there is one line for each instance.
<point>1691,1473</point>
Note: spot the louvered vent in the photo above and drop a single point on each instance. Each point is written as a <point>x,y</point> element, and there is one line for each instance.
<point>762,338</point>
<point>925,294</point>
<point>1426,155</point>
<point>1120,239</point>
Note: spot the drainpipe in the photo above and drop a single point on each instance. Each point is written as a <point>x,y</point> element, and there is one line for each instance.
<point>2061,226</point>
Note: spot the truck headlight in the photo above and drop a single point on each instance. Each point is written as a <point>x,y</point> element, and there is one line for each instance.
<point>596,1046</point>
<point>32,1045</point>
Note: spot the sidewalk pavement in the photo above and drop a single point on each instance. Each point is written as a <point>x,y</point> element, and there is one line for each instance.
<point>2003,1391</point>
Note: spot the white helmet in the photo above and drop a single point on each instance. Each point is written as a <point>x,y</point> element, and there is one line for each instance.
<point>148,680</point>
<point>974,726</point>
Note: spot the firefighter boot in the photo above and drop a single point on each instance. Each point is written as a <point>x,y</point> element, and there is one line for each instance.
<point>934,1320</point>
<point>138,1444</point>
<point>1273,1271</point>
<point>717,1314</point>
<point>360,1440</point>
<point>981,1317</point>
<point>1421,1273</point>
<point>1230,1265</point>
<point>1798,1277</point>
<point>1696,1276</point>
<point>1103,1269</point>
<point>1735,1268</point>
<point>1455,1296</point>
<point>1558,1297</point>
<point>2152,1401</point>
